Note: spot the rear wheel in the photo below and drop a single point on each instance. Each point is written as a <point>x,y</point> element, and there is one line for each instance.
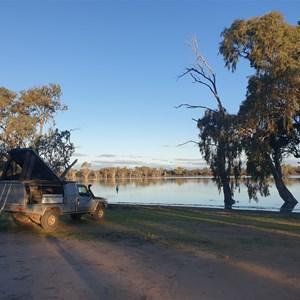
<point>99,213</point>
<point>50,220</point>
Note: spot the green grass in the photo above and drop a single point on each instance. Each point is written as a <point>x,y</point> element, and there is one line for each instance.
<point>190,228</point>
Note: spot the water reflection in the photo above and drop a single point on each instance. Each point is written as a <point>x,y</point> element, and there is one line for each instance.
<point>188,192</point>
<point>113,182</point>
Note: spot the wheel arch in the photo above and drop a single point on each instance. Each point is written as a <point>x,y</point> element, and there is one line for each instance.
<point>54,209</point>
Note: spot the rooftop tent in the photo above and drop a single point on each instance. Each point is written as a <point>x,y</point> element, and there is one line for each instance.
<point>26,164</point>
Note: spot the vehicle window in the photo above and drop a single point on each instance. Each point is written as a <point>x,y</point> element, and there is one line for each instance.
<point>2,165</point>
<point>14,170</point>
<point>83,191</point>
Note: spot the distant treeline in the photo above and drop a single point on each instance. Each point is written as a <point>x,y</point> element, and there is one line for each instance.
<point>86,172</point>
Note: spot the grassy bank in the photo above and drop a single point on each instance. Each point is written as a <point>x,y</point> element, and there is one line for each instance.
<point>218,231</point>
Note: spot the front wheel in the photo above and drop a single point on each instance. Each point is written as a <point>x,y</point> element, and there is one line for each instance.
<point>50,220</point>
<point>99,213</point>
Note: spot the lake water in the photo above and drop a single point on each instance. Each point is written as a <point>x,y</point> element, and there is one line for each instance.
<point>196,192</point>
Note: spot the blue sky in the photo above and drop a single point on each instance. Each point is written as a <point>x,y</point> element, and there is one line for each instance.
<point>117,63</point>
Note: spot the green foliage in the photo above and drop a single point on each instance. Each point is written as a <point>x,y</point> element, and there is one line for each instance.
<point>268,42</point>
<point>137,172</point>
<point>44,102</point>
<point>17,124</point>
<point>118,173</point>
<point>56,148</point>
<point>269,116</point>
<point>220,146</point>
<point>23,117</point>
<point>22,113</point>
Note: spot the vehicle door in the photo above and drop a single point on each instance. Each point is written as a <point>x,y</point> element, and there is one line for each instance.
<point>84,198</point>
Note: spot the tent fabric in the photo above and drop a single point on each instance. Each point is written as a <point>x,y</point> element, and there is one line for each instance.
<point>26,164</point>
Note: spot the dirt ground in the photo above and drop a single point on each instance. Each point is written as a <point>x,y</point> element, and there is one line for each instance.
<point>45,266</point>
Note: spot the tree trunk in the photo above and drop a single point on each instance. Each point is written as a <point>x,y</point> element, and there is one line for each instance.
<point>41,126</point>
<point>228,200</point>
<point>283,191</point>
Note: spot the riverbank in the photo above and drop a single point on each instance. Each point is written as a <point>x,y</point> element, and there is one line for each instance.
<point>141,252</point>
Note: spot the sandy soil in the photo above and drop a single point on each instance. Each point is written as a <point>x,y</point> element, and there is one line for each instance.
<point>48,267</point>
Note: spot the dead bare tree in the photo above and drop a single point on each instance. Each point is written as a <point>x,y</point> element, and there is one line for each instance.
<point>218,143</point>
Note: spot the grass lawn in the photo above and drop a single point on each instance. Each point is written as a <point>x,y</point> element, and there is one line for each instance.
<point>219,231</point>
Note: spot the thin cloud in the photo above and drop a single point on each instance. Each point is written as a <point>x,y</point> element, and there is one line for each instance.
<point>107,155</point>
<point>136,156</point>
<point>118,162</point>
<point>191,160</point>
<point>162,160</point>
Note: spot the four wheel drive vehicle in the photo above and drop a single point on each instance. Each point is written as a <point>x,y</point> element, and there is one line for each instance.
<point>29,187</point>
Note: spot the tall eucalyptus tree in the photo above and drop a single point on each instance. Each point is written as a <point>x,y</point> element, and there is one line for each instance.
<point>23,117</point>
<point>271,110</point>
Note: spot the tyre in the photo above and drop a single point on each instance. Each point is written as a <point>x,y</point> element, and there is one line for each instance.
<point>50,220</point>
<point>76,217</point>
<point>99,213</point>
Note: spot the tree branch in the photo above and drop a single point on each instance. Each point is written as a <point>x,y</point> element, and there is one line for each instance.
<point>202,73</point>
<point>188,142</point>
<point>195,106</point>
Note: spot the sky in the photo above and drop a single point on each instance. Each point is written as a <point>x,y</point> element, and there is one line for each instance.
<point>118,62</point>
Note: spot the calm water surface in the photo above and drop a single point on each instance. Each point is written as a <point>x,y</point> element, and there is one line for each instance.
<point>186,191</point>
